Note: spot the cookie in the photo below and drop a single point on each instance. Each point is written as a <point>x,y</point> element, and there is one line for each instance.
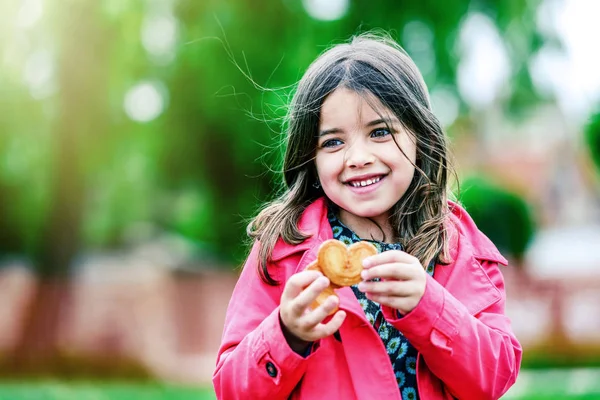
<point>341,264</point>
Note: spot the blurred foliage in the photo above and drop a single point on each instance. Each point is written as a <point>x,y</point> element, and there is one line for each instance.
<point>504,217</point>
<point>77,173</point>
<point>592,138</point>
<point>544,357</point>
<point>70,366</point>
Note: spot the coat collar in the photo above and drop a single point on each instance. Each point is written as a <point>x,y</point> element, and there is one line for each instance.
<point>460,227</point>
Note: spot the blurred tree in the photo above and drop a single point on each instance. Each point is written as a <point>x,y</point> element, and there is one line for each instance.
<point>79,171</point>
<point>592,138</point>
<point>504,217</point>
<point>206,162</point>
<point>81,115</point>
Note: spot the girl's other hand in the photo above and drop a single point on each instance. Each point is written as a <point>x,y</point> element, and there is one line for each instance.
<point>301,324</point>
<point>402,280</point>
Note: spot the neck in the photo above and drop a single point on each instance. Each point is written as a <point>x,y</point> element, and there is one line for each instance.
<point>376,228</point>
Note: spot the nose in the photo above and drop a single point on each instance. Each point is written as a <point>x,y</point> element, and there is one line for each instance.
<point>358,155</point>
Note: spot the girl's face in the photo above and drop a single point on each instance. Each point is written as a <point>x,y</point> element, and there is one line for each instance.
<point>360,166</point>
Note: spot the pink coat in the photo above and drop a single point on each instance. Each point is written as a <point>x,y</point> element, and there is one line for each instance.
<point>465,343</point>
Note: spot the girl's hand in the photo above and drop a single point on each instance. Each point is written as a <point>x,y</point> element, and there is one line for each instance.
<point>402,280</point>
<point>300,323</point>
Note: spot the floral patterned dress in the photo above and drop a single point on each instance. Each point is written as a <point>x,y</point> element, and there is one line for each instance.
<point>403,355</point>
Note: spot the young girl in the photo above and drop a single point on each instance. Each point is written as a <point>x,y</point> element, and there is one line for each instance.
<point>367,160</point>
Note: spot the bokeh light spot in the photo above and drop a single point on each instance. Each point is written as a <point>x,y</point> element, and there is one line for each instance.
<point>159,36</point>
<point>145,101</point>
<point>29,13</point>
<point>418,42</point>
<point>484,67</point>
<point>39,74</point>
<point>445,105</point>
<point>326,10</point>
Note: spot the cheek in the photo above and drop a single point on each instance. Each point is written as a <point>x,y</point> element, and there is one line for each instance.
<point>405,170</point>
<point>407,160</point>
<point>320,167</point>
<point>409,148</point>
<point>411,156</point>
<point>327,168</point>
<point>402,160</point>
<point>324,175</point>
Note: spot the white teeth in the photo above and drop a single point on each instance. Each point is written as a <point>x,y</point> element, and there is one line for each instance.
<point>365,183</point>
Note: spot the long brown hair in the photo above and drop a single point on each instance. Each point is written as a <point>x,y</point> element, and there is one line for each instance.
<point>371,65</point>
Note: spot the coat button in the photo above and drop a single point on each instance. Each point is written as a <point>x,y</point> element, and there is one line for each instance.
<point>271,370</point>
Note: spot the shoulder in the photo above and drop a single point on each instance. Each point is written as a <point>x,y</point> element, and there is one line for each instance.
<point>461,228</point>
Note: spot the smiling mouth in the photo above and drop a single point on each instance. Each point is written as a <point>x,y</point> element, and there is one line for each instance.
<point>365,182</point>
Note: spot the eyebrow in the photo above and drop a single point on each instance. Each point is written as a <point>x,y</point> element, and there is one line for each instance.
<point>387,121</point>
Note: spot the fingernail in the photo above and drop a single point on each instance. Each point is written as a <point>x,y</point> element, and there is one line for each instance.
<point>366,263</point>
<point>364,275</point>
<point>361,286</point>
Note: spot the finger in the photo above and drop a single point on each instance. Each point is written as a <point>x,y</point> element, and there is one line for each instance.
<point>390,288</point>
<point>297,282</point>
<point>390,256</point>
<point>310,293</point>
<point>397,270</point>
<point>385,300</point>
<point>317,316</point>
<point>328,329</point>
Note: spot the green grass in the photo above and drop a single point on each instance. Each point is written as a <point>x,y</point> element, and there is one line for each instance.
<point>55,390</point>
<point>561,397</point>
<point>556,383</point>
<point>549,384</point>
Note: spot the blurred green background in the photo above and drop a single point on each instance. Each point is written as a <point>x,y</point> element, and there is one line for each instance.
<point>137,137</point>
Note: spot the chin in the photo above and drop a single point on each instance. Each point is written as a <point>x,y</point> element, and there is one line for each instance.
<point>367,212</point>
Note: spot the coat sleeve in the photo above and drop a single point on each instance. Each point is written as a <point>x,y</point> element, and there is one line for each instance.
<point>475,356</point>
<point>254,360</point>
